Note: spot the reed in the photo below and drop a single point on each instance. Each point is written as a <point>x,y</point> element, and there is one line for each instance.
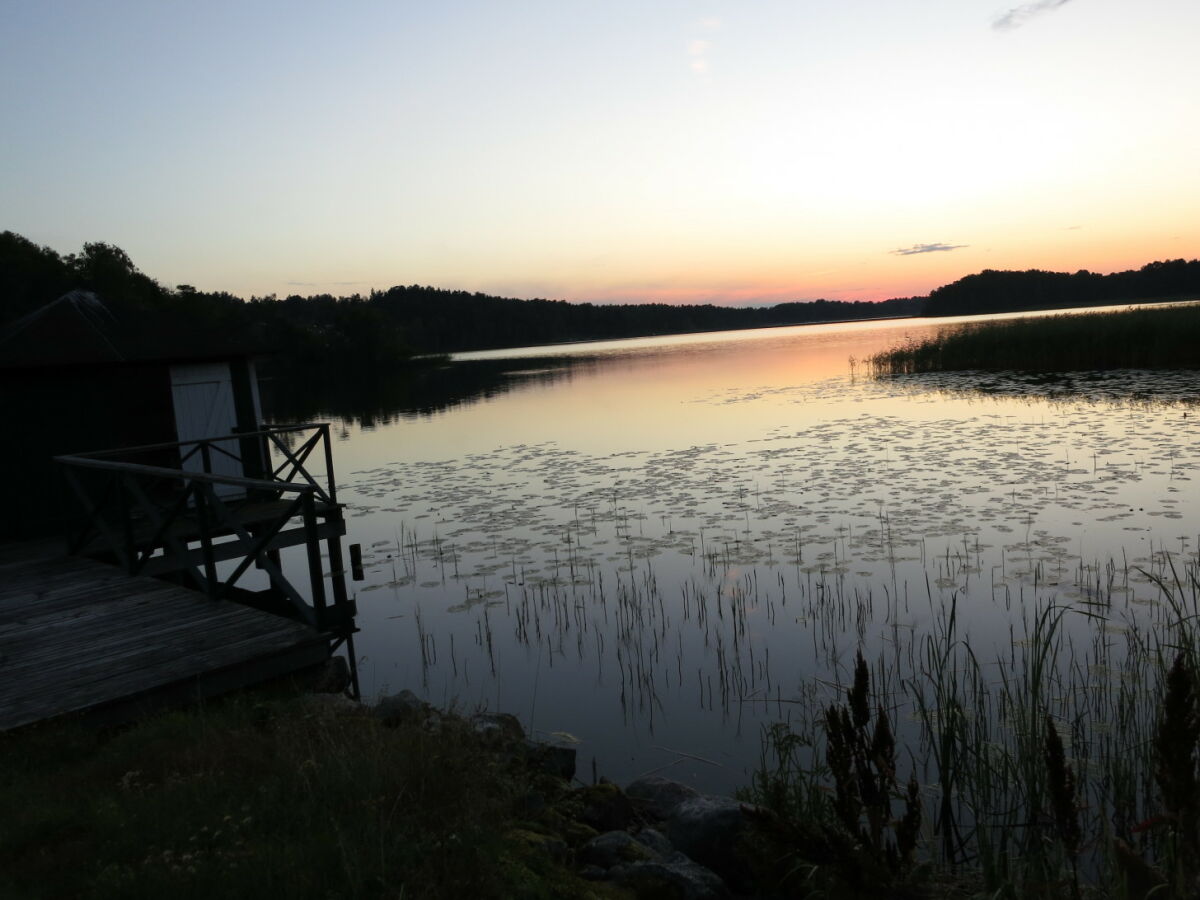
<point>1152,338</point>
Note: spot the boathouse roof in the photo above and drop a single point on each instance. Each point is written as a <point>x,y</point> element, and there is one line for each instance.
<point>80,329</point>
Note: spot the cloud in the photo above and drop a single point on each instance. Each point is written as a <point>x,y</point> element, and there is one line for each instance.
<point>926,248</point>
<point>698,48</point>
<point>1019,15</point>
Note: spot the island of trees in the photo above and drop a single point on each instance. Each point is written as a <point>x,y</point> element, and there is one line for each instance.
<point>375,331</point>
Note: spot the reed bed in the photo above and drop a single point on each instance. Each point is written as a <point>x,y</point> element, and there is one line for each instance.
<point>1153,338</point>
<point>1068,765</point>
<point>1030,765</point>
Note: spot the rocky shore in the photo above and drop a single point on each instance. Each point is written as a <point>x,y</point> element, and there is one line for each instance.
<point>653,838</point>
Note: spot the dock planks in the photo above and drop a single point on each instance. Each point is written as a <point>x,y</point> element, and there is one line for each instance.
<point>79,635</point>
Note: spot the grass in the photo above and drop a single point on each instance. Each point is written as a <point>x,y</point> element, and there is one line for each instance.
<point>1154,338</point>
<point>262,796</point>
<point>1040,776</point>
<point>1030,775</point>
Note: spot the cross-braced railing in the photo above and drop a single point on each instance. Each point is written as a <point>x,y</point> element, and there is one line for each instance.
<point>185,514</point>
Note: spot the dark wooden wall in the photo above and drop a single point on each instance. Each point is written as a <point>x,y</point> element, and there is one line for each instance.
<point>45,412</point>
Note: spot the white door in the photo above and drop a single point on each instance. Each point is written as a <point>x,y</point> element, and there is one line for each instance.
<point>203,394</point>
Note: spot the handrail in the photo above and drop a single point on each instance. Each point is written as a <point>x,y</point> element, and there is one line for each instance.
<point>181,474</point>
<point>150,517</point>
<point>274,429</point>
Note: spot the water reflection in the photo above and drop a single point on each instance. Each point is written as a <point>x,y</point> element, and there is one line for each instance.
<point>664,548</point>
<point>422,391</point>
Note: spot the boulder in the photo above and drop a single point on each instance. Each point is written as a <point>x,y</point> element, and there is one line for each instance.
<point>573,832</point>
<point>592,873</point>
<point>709,830</point>
<point>551,759</point>
<point>604,807</point>
<point>500,727</point>
<point>655,840</point>
<point>657,797</point>
<point>673,877</point>
<point>402,707</point>
<point>614,848</point>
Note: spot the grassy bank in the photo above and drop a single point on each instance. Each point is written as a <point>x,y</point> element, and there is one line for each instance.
<point>262,796</point>
<point>295,796</point>
<point>1153,338</point>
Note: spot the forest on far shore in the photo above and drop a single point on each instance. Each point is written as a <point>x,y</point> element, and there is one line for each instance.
<point>384,327</point>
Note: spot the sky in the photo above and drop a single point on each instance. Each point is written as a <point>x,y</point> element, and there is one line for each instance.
<point>659,150</point>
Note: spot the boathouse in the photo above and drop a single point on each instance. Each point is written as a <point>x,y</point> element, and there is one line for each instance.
<point>159,542</point>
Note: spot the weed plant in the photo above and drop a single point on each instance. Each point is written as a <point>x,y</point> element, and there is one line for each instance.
<point>1057,770</point>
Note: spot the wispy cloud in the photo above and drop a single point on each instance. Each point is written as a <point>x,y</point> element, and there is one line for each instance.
<point>698,48</point>
<point>926,248</point>
<point>1019,15</point>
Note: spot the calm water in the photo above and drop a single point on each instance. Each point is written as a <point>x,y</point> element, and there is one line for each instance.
<point>652,548</point>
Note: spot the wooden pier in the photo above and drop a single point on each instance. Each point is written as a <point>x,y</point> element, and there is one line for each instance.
<point>94,631</point>
<point>76,635</point>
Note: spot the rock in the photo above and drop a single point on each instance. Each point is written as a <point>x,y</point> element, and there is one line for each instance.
<point>657,796</point>
<point>613,848</point>
<point>401,707</point>
<point>605,807</point>
<point>655,840</point>
<point>498,726</point>
<point>551,759</point>
<point>592,873</point>
<point>674,877</point>
<point>709,830</point>
<point>573,832</point>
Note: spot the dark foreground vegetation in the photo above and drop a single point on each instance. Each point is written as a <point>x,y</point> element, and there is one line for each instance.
<point>286,794</point>
<point>272,796</point>
<point>373,333</point>
<point>1148,338</point>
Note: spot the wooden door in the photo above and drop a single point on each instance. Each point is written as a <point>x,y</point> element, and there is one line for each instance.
<point>204,408</point>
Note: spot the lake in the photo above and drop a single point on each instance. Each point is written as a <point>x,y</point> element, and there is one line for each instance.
<point>653,549</point>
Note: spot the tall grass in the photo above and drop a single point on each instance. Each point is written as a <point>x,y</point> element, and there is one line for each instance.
<point>1060,768</point>
<point>263,797</point>
<point>1154,338</point>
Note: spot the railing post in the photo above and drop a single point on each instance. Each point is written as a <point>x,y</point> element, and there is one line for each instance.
<point>324,426</point>
<point>337,567</point>
<point>206,543</point>
<point>126,523</point>
<point>313,543</point>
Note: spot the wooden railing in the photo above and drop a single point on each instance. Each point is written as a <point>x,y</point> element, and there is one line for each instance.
<point>176,517</point>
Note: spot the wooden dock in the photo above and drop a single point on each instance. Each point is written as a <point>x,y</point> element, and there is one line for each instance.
<point>80,635</point>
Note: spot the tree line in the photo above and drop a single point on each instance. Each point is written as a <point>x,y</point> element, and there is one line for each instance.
<point>992,291</point>
<point>375,331</point>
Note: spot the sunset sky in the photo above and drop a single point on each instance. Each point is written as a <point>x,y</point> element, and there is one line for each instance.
<point>756,151</point>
